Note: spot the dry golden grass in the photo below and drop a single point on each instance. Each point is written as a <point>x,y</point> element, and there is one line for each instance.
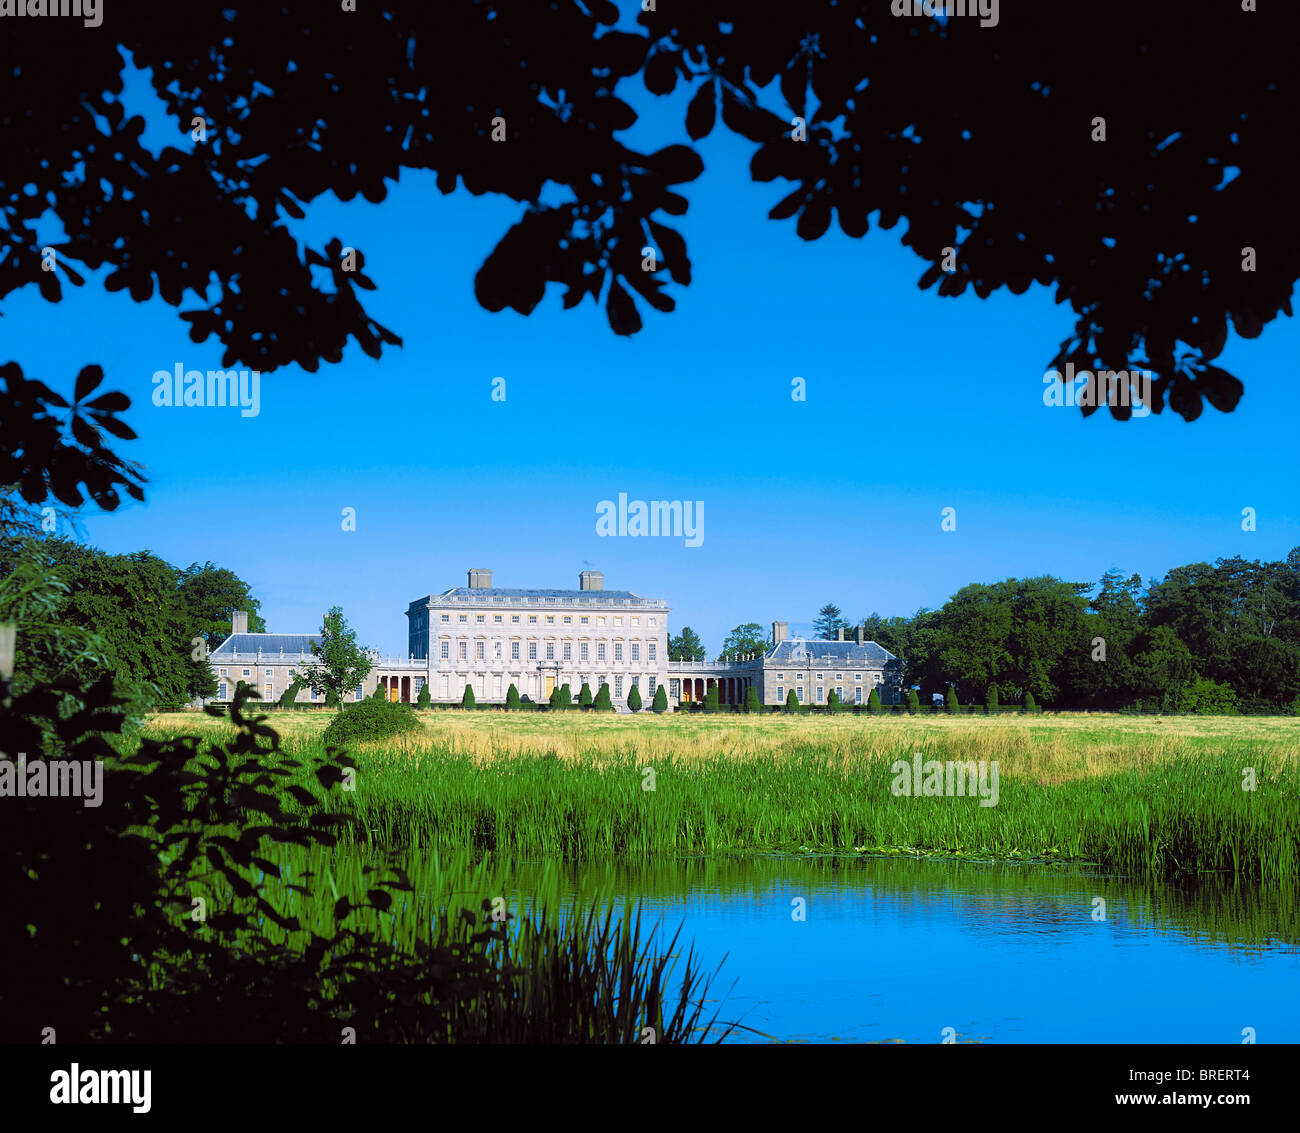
<point>1048,749</point>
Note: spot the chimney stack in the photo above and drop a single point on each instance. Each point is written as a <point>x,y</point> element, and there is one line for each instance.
<point>480,579</point>
<point>780,631</point>
<point>859,635</point>
<point>839,634</point>
<point>239,621</point>
<point>591,580</point>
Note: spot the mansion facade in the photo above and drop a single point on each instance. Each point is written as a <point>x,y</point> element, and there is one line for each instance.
<point>488,638</point>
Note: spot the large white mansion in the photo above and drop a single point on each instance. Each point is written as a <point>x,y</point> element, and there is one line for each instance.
<point>489,638</point>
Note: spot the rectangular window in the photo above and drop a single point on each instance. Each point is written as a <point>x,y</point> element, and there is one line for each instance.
<point>857,696</point>
<point>584,620</point>
<point>821,676</point>
<point>857,676</point>
<point>463,618</point>
<point>221,692</point>
<point>532,651</point>
<point>446,650</point>
<point>446,617</point>
<point>798,695</point>
<point>780,676</point>
<point>636,651</point>
<point>839,676</point>
<point>636,621</point>
<point>618,687</point>
<point>550,619</point>
<point>267,673</point>
<point>618,621</point>
<point>480,618</point>
<point>780,693</point>
<point>532,619</point>
<point>514,651</point>
<point>618,651</point>
<point>600,651</point>
<point>514,619</point>
<point>223,672</point>
<point>839,692</point>
<point>550,651</point>
<point>652,686</point>
<point>248,672</point>
<point>464,651</point>
<point>496,618</point>
<point>652,651</point>
<point>568,651</point>
<point>267,694</point>
<point>482,651</point>
<point>567,619</point>
<point>584,652</point>
<point>360,693</point>
<point>652,621</point>
<point>820,693</point>
<point>600,621</point>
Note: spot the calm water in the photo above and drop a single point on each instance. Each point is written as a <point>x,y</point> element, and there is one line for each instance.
<point>899,949</point>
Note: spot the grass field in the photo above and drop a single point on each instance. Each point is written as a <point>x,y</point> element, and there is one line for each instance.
<point>1144,796</point>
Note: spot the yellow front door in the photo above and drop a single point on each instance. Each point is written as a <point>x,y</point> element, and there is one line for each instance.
<point>550,686</point>
<point>394,690</point>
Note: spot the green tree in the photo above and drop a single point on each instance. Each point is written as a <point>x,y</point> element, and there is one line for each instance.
<point>467,700</point>
<point>425,699</point>
<point>584,696</point>
<point>660,704</point>
<point>991,701</point>
<point>873,703</point>
<point>634,699</point>
<point>602,703</point>
<point>830,620</point>
<point>913,702</point>
<point>380,693</point>
<point>343,664</point>
<point>331,698</point>
<point>209,594</point>
<point>950,701</point>
<point>556,699</point>
<point>744,641</point>
<point>711,697</point>
<point>1030,705</point>
<point>686,646</point>
<point>512,698</point>
<point>752,703</point>
<point>290,695</point>
<point>791,702</point>
<point>833,702</point>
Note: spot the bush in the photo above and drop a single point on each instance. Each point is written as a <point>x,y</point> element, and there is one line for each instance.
<point>661,699</point>
<point>370,720</point>
<point>290,695</point>
<point>752,703</point>
<point>791,702</point>
<point>634,699</point>
<point>380,693</point>
<point>467,701</point>
<point>913,703</point>
<point>331,698</point>
<point>512,698</point>
<point>991,701</point>
<point>1029,705</point>
<point>711,699</point>
<point>602,701</point>
<point>873,702</point>
<point>425,699</point>
<point>1205,697</point>
<point>833,702</point>
<point>584,695</point>
<point>554,699</point>
<point>950,701</point>
<point>566,696</point>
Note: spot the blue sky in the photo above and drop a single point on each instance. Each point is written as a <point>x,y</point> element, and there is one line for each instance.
<point>914,403</point>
